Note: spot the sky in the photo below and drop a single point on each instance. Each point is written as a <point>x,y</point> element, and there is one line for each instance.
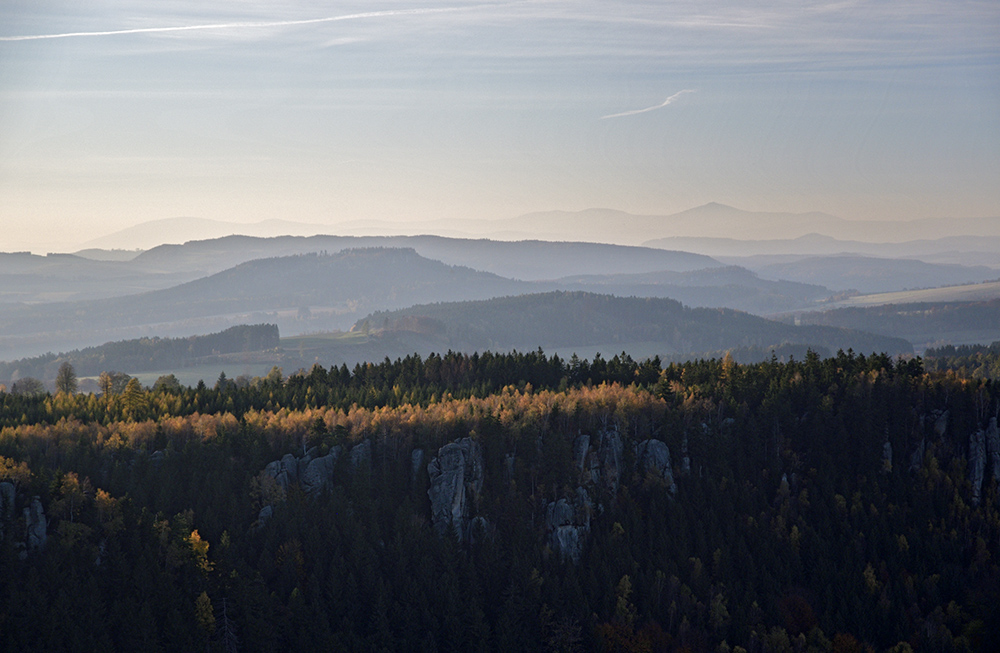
<point>117,113</point>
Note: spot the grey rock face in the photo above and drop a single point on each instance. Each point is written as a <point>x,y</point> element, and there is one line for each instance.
<point>887,457</point>
<point>319,472</point>
<point>977,463</point>
<point>653,457</point>
<point>36,526</point>
<point>290,465</point>
<point>941,424</point>
<point>456,475</point>
<point>273,468</point>
<point>361,454</point>
<point>917,457</point>
<point>558,513</point>
<point>156,459</point>
<point>568,524</point>
<point>264,514</point>
<point>304,461</point>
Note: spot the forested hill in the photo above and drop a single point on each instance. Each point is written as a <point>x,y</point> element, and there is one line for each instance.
<point>526,259</point>
<point>925,324</point>
<point>574,319</point>
<point>846,504</point>
<point>337,288</point>
<point>144,354</point>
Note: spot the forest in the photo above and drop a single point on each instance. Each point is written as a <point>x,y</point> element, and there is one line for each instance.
<point>142,354</point>
<point>509,502</point>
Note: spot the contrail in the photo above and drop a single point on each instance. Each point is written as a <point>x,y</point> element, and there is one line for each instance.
<point>654,108</point>
<point>277,23</point>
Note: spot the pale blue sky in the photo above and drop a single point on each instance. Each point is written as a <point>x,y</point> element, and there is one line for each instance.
<point>327,112</point>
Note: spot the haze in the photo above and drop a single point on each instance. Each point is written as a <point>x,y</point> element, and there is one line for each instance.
<point>116,113</point>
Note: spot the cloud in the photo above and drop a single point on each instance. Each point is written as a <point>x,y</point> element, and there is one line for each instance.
<point>653,108</point>
<point>240,25</point>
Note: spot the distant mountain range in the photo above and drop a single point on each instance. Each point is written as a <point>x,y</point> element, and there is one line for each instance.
<point>319,283</point>
<point>961,250</point>
<point>591,225</point>
<point>526,260</point>
<point>320,292</point>
<point>866,274</point>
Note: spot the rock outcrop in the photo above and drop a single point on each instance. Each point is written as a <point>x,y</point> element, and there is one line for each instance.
<point>290,467</point>
<point>318,475</point>
<point>361,454</point>
<point>265,513</point>
<point>568,525</point>
<point>275,470</point>
<point>36,526</point>
<point>941,424</point>
<point>653,457</point>
<point>917,457</point>
<point>456,476</point>
<point>887,457</point>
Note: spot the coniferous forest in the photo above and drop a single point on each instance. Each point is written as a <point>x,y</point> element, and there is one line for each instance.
<point>508,502</point>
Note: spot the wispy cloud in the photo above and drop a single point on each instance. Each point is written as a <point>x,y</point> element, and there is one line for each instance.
<point>669,100</point>
<point>242,24</point>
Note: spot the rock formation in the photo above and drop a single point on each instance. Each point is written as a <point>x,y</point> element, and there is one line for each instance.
<point>361,454</point>
<point>653,457</point>
<point>319,472</point>
<point>917,457</point>
<point>568,524</point>
<point>456,476</point>
<point>36,526</point>
<point>941,424</point>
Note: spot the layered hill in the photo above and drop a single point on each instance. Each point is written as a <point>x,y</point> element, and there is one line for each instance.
<point>527,260</point>
<point>299,293</point>
<point>867,274</point>
<point>718,287</point>
<point>925,324</point>
<point>567,320</point>
<point>93,274</point>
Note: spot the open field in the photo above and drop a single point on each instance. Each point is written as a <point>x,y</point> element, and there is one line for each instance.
<point>976,292</point>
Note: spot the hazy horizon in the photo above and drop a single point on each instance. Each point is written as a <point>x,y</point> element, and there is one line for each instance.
<point>114,114</point>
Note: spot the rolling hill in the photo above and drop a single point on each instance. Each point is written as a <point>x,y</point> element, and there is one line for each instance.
<point>299,293</point>
<point>567,320</point>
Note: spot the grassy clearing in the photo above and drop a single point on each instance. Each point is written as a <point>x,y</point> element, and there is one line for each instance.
<point>977,292</point>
